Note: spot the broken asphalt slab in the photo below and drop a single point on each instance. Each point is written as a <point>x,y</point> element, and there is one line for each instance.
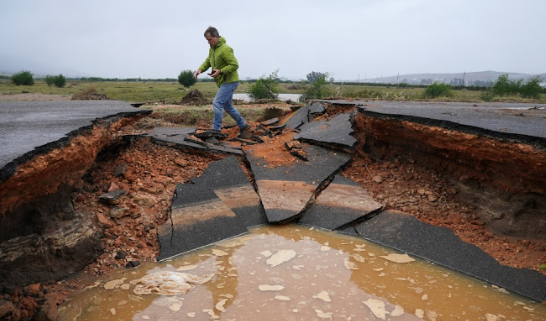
<point>230,183</point>
<point>179,137</point>
<point>219,204</point>
<point>286,190</point>
<point>304,115</point>
<point>198,218</point>
<point>334,133</point>
<point>439,245</point>
<point>513,121</point>
<point>32,128</point>
<point>340,205</point>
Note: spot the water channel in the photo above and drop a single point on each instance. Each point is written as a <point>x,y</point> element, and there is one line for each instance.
<point>283,97</point>
<point>292,272</point>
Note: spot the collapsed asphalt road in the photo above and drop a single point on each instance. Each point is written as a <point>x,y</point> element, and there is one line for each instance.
<point>290,183</point>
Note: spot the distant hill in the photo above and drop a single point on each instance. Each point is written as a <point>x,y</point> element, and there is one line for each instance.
<point>479,78</point>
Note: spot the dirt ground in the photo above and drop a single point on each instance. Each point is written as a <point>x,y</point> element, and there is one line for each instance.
<point>149,173</point>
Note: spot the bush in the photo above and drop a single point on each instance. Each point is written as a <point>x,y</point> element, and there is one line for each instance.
<point>531,89</point>
<point>59,81</point>
<point>22,78</point>
<point>49,80</point>
<point>265,87</point>
<point>318,90</point>
<point>438,90</point>
<point>186,78</point>
<point>503,86</point>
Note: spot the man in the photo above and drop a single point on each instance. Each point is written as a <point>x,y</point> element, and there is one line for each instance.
<point>224,71</point>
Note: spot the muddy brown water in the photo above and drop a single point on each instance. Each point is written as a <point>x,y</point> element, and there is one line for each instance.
<point>293,272</point>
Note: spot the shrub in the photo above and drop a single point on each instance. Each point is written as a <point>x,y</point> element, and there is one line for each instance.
<point>318,90</point>
<point>438,90</point>
<point>265,87</point>
<point>504,86</point>
<point>186,78</point>
<point>531,89</point>
<point>22,78</point>
<point>49,80</point>
<point>59,81</point>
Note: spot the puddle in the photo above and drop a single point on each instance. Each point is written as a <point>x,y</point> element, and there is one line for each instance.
<point>295,273</point>
<point>283,97</point>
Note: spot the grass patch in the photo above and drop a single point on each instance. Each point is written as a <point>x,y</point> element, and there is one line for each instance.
<point>152,92</point>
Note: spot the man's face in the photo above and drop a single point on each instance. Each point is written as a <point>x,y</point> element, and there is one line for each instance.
<point>211,40</point>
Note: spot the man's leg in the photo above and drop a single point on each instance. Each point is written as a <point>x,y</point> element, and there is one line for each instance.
<point>228,107</point>
<point>221,98</point>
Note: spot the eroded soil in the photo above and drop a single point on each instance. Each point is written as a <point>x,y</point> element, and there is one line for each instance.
<point>149,173</point>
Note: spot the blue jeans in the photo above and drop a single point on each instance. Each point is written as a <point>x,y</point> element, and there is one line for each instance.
<point>224,101</point>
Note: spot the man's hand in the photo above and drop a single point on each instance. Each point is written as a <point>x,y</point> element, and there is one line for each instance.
<point>215,73</point>
<point>196,73</point>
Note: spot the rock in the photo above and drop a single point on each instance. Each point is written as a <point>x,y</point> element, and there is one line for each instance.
<point>113,196</point>
<point>121,255</point>
<point>132,264</point>
<point>377,179</point>
<point>32,290</point>
<point>120,170</point>
<point>143,200</point>
<point>103,221</point>
<point>119,212</point>
<point>6,308</point>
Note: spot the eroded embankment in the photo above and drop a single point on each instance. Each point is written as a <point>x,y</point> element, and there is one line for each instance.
<point>42,237</point>
<point>503,179</point>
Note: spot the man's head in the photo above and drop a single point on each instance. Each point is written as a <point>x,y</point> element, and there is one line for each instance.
<point>212,36</point>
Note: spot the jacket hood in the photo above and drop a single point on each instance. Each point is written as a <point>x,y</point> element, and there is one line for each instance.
<point>221,41</point>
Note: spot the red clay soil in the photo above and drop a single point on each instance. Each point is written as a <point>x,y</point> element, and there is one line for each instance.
<point>152,173</point>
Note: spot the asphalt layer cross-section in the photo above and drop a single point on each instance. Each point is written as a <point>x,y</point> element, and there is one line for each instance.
<point>31,128</point>
<point>518,122</point>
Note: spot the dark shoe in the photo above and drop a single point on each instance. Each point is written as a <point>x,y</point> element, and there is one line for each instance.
<point>244,130</point>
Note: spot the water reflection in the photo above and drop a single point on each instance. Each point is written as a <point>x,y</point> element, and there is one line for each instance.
<point>296,273</point>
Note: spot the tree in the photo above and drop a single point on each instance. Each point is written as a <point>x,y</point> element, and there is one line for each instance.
<point>59,81</point>
<point>186,78</point>
<point>23,78</point>
<point>314,76</point>
<point>265,87</point>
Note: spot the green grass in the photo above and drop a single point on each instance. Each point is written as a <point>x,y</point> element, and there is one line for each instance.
<point>172,92</point>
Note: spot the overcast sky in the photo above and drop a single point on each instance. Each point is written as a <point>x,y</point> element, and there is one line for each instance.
<point>349,39</point>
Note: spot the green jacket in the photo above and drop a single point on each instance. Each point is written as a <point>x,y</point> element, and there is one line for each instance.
<point>222,57</point>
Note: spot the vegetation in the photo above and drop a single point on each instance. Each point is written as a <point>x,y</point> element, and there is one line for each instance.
<point>171,92</point>
<point>318,90</point>
<point>186,78</point>
<point>505,87</point>
<point>24,78</point>
<point>59,81</point>
<point>49,80</point>
<point>438,90</point>
<point>313,76</point>
<point>265,87</point>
